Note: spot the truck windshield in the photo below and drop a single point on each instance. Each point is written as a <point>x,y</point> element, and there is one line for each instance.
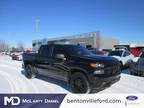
<point>77,50</point>
<point>115,53</point>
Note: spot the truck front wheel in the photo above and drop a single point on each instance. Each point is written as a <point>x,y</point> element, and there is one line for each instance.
<point>79,83</point>
<point>30,73</point>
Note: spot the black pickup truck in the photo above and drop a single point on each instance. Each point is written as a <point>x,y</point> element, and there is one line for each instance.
<point>84,71</point>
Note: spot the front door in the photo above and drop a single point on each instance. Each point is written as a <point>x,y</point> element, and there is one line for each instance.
<point>59,66</point>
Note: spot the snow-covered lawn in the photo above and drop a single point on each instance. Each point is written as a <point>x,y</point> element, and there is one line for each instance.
<point>12,80</point>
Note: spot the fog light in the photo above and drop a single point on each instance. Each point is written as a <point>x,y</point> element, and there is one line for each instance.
<point>99,72</point>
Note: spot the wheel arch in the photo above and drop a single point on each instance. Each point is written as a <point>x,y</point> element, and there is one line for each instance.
<point>72,71</point>
<point>28,63</point>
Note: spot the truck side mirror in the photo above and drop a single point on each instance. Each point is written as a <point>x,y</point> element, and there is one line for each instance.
<point>60,56</point>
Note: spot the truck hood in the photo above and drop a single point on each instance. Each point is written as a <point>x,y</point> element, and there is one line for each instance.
<point>117,57</point>
<point>99,58</point>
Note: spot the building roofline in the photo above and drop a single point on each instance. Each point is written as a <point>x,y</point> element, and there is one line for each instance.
<point>83,35</point>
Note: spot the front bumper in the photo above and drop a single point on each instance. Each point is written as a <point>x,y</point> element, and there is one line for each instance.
<point>100,82</point>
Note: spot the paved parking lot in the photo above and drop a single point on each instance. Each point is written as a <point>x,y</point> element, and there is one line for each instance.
<point>13,81</point>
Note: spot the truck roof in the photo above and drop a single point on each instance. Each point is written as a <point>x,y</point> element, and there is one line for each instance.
<point>60,45</point>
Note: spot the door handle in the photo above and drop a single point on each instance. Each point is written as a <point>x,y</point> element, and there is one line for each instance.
<point>46,62</point>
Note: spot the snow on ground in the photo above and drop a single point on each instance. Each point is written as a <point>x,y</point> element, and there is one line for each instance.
<point>12,80</point>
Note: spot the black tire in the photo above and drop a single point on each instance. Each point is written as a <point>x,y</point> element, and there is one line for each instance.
<point>79,83</point>
<point>30,72</point>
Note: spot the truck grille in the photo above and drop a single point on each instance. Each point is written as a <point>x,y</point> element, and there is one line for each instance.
<point>112,70</point>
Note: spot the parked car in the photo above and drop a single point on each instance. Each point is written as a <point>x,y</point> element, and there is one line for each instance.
<point>11,53</point>
<point>85,72</point>
<point>136,51</point>
<point>124,57</point>
<point>28,51</point>
<point>2,53</point>
<point>17,55</point>
<point>137,65</point>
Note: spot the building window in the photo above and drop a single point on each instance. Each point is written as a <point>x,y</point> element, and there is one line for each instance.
<point>89,46</point>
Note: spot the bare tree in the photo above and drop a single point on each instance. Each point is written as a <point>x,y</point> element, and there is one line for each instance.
<point>20,46</point>
<point>4,46</point>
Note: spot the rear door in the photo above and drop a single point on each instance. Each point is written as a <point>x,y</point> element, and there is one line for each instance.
<point>44,60</point>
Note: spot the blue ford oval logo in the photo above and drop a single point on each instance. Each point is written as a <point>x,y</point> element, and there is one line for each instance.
<point>132,98</point>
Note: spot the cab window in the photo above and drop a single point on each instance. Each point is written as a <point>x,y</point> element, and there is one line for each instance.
<point>58,50</point>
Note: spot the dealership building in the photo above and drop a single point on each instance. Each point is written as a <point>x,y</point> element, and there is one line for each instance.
<point>89,40</point>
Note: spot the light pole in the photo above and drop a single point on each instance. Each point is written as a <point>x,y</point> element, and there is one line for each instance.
<point>37,21</point>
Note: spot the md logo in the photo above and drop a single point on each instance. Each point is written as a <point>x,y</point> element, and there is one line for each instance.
<point>11,100</point>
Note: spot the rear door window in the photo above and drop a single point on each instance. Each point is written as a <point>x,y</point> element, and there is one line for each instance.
<point>45,51</point>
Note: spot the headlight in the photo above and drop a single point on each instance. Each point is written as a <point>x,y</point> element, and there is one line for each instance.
<point>97,65</point>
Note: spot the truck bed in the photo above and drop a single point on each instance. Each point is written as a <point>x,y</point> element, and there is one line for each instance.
<point>29,57</point>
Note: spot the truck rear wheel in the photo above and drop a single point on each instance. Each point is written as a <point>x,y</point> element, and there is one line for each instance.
<point>79,83</point>
<point>30,73</point>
